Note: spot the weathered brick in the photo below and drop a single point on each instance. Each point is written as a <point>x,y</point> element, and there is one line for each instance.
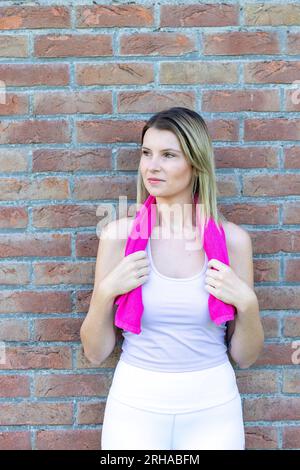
<point>13,46</point>
<point>34,132</point>
<point>164,44</point>
<point>272,14</point>
<point>26,244</point>
<point>34,74</point>
<point>35,413</point>
<point>71,385</point>
<point>36,357</point>
<point>149,101</point>
<point>99,16</point>
<point>68,45</point>
<point>240,100</point>
<point>91,102</point>
<point>121,73</point>
<point>58,216</point>
<point>26,16</point>
<point>241,42</point>
<point>74,439</point>
<point>72,160</point>
<point>14,386</point>
<point>199,15</point>
<point>57,329</point>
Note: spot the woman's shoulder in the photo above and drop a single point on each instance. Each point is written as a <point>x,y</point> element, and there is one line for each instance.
<point>237,238</point>
<point>234,233</point>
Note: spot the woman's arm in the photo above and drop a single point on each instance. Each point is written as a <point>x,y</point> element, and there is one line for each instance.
<point>245,333</point>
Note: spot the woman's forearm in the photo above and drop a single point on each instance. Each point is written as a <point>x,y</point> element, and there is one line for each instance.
<point>248,338</point>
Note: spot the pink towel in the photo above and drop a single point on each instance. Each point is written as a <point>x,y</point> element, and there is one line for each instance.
<point>130,305</point>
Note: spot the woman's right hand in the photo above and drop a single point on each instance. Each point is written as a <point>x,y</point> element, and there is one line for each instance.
<point>131,272</point>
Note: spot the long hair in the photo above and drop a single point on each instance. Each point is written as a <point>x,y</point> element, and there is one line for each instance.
<point>192,133</point>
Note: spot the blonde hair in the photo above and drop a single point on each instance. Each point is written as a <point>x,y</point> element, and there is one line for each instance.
<point>192,133</point>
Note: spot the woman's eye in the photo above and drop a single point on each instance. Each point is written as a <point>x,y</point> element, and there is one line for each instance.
<point>146,153</point>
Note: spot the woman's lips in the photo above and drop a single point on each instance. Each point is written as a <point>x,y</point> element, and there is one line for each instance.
<point>155,181</point>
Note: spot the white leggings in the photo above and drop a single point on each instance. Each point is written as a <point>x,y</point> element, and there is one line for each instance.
<point>217,428</point>
<point>156,410</point>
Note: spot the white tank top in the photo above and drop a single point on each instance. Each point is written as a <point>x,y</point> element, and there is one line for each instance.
<point>177,334</point>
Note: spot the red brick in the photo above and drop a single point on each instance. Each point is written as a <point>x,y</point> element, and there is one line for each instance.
<point>271,409</point>
<point>69,215</point>
<point>34,132</point>
<point>91,413</point>
<point>91,159</point>
<point>276,240</point>
<point>14,386</point>
<point>271,185</point>
<point>290,437</point>
<point>246,157</point>
<point>261,437</point>
<point>70,385</point>
<point>41,188</point>
<point>246,213</point>
<point>276,354</point>
<point>271,327</point>
<point>57,329</point>
<point>272,129</point>
<point>292,157</point>
<point>21,17</point>
<point>199,15</point>
<point>13,217</point>
<point>18,273</point>
<point>241,42</point>
<point>293,42</point>
<point>128,159</point>
<point>75,439</point>
<point>83,299</point>
<point>108,130</point>
<point>272,71</point>
<point>68,45</point>
<point>279,297</point>
<point>63,102</point>
<point>164,44</point>
<point>240,100</point>
<point>14,104</point>
<point>292,99</point>
<point>35,357</point>
<point>291,325</point>
<point>37,244</point>
<point>99,16</point>
<point>257,381</point>
<point>34,74</point>
<point>86,244</point>
<point>35,302</point>
<point>291,213</point>
<point>121,73</point>
<point>291,380</point>
<point>31,413</point>
<point>64,273</point>
<point>151,102</point>
<point>102,187</point>
<point>15,440</point>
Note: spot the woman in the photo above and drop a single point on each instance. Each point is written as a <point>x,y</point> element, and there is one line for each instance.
<point>174,386</point>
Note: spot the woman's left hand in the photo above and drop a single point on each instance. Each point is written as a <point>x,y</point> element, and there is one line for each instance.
<point>224,283</point>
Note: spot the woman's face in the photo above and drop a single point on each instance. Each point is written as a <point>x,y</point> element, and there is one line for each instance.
<point>171,165</point>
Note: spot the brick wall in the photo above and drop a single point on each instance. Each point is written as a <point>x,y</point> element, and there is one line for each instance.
<point>79,81</point>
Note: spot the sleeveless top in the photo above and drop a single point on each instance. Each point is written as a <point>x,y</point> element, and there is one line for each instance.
<point>177,334</point>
